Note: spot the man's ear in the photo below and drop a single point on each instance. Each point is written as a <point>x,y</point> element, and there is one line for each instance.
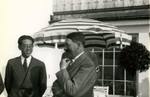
<point>79,43</point>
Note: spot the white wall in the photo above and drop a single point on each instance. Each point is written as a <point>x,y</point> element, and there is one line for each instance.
<point>144,77</point>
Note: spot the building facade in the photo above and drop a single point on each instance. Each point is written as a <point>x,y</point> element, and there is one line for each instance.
<point>131,16</point>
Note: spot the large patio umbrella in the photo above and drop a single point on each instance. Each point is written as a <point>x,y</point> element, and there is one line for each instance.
<point>97,34</point>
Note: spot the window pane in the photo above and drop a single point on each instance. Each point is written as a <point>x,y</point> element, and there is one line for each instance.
<point>131,89</point>
<point>108,73</point>
<point>119,73</point>
<point>131,77</point>
<point>99,56</point>
<point>98,83</point>
<point>117,49</point>
<point>108,58</point>
<point>110,84</point>
<point>109,49</point>
<point>117,55</point>
<point>99,74</point>
<point>119,88</point>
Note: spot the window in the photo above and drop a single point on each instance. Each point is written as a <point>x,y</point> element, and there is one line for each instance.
<point>120,82</point>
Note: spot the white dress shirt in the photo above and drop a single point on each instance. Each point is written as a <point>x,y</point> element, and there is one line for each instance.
<point>28,60</point>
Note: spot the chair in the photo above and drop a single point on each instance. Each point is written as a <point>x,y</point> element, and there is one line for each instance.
<point>101,91</point>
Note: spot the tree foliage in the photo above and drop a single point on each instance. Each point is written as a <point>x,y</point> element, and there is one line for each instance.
<point>135,57</point>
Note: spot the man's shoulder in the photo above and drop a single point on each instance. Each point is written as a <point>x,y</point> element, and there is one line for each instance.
<point>88,55</point>
<point>85,57</point>
<point>38,61</point>
<point>88,59</point>
<point>14,59</point>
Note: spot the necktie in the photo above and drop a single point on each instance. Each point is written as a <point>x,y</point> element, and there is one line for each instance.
<point>25,64</point>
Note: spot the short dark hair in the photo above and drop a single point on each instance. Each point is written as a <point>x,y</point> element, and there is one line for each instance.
<point>21,38</point>
<point>76,36</point>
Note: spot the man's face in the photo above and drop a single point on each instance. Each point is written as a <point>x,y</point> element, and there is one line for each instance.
<point>26,47</point>
<point>71,46</point>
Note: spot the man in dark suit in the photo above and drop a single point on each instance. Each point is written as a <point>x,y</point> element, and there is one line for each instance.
<point>1,84</point>
<point>76,77</point>
<point>25,75</point>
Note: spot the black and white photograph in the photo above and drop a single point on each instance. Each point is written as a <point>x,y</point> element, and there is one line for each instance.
<point>75,48</point>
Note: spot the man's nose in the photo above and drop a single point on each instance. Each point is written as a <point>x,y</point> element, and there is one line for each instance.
<point>29,47</point>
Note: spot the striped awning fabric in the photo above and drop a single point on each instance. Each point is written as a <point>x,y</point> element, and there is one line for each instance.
<point>97,33</point>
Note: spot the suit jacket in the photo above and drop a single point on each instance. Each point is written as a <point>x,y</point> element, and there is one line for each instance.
<point>77,80</point>
<point>30,83</point>
<point>1,84</point>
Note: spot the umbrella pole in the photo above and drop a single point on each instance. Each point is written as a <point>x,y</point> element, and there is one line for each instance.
<point>56,45</point>
<point>121,41</point>
<point>92,50</point>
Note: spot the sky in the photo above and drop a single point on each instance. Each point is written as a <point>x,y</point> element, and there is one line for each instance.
<point>19,17</point>
<point>24,17</point>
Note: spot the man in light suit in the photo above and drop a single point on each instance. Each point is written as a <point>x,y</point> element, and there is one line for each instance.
<point>25,75</point>
<point>76,77</point>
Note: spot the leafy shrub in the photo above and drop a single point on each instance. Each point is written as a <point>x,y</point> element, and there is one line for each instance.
<point>135,57</point>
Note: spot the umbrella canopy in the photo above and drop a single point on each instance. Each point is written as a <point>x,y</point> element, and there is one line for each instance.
<point>97,34</point>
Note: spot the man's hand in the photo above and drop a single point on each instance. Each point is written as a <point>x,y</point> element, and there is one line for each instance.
<point>64,63</point>
<point>56,89</point>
